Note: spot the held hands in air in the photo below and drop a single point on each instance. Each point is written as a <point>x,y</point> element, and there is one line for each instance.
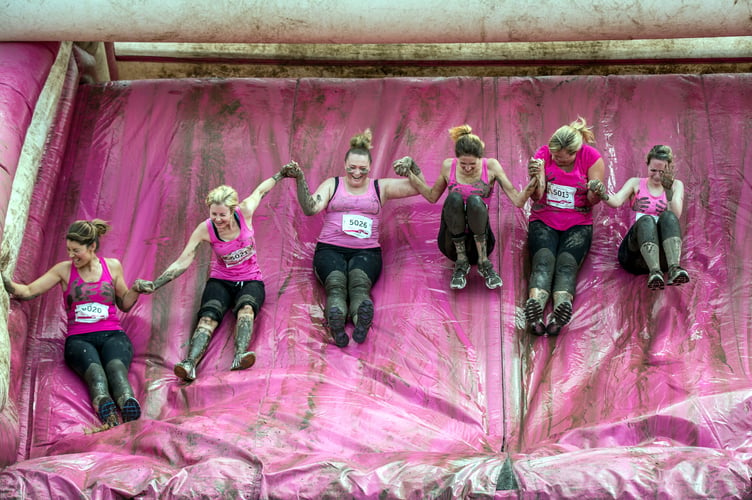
<point>404,166</point>
<point>292,169</point>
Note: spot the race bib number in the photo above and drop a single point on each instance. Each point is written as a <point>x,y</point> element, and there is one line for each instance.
<point>560,196</point>
<point>357,225</point>
<point>640,214</point>
<point>91,312</point>
<point>238,256</point>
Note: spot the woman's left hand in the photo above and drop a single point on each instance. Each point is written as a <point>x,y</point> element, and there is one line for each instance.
<point>667,177</point>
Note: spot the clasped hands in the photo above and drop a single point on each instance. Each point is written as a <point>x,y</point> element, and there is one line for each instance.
<point>404,166</point>
<point>291,169</point>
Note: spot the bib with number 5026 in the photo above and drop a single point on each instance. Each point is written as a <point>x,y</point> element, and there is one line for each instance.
<point>357,225</point>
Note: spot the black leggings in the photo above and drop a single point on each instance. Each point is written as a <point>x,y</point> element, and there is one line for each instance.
<point>460,218</point>
<point>647,230</point>
<point>219,295</point>
<point>328,258</point>
<point>557,255</point>
<point>97,347</point>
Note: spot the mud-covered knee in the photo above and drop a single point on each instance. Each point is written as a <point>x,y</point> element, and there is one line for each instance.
<point>566,273</point>
<point>542,269</point>
<point>477,215</point>
<point>475,206</point>
<point>543,261</point>
<point>668,224</point>
<point>454,202</point>
<point>246,307</point>
<point>212,309</point>
<point>566,263</point>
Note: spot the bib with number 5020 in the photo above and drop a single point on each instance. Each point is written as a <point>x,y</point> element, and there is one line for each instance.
<point>357,225</point>
<point>560,196</point>
<point>91,312</point>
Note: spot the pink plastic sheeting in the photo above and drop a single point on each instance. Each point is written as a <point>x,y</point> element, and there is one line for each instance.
<point>644,394</point>
<point>23,71</point>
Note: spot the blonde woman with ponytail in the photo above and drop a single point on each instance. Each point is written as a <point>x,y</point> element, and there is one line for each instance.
<point>561,222</point>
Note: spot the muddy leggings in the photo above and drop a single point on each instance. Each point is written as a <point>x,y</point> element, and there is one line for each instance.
<point>647,230</point>
<point>99,348</point>
<point>557,255</point>
<point>460,218</point>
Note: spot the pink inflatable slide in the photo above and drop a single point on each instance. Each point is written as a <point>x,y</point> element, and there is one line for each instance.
<point>646,394</point>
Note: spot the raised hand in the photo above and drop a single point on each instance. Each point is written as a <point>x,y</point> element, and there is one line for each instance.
<point>667,177</point>
<point>405,165</point>
<point>535,167</point>
<point>143,286</point>
<point>291,169</point>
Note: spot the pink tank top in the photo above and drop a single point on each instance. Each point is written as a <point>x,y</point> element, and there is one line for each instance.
<point>234,260</point>
<point>91,306</point>
<point>352,220</point>
<point>565,203</point>
<point>480,188</point>
<point>646,204</point>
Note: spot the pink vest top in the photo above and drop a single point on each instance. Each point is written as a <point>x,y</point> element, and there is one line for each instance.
<point>480,188</point>
<point>565,203</point>
<point>91,306</point>
<point>646,204</point>
<point>234,260</point>
<point>352,220</point>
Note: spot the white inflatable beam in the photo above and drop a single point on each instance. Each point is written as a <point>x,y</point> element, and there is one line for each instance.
<point>374,21</point>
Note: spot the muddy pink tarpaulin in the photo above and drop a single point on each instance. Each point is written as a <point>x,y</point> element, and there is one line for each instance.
<point>645,394</point>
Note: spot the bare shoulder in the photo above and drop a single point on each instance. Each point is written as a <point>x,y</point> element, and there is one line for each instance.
<point>62,270</point>
<point>113,263</point>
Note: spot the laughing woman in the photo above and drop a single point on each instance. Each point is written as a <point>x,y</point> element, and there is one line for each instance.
<point>347,259</point>
<point>96,347</point>
<point>235,281</point>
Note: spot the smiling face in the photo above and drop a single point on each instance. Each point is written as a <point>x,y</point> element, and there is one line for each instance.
<point>79,254</point>
<point>220,215</point>
<point>357,167</point>
<point>468,164</point>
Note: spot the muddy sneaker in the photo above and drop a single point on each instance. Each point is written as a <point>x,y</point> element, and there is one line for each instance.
<point>459,276</point>
<point>677,276</point>
<point>560,317</point>
<point>365,318</point>
<point>655,280</point>
<point>107,411</point>
<point>243,361</point>
<point>130,409</point>
<point>186,370</point>
<point>534,316</point>
<point>336,321</point>
<point>493,280</point>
